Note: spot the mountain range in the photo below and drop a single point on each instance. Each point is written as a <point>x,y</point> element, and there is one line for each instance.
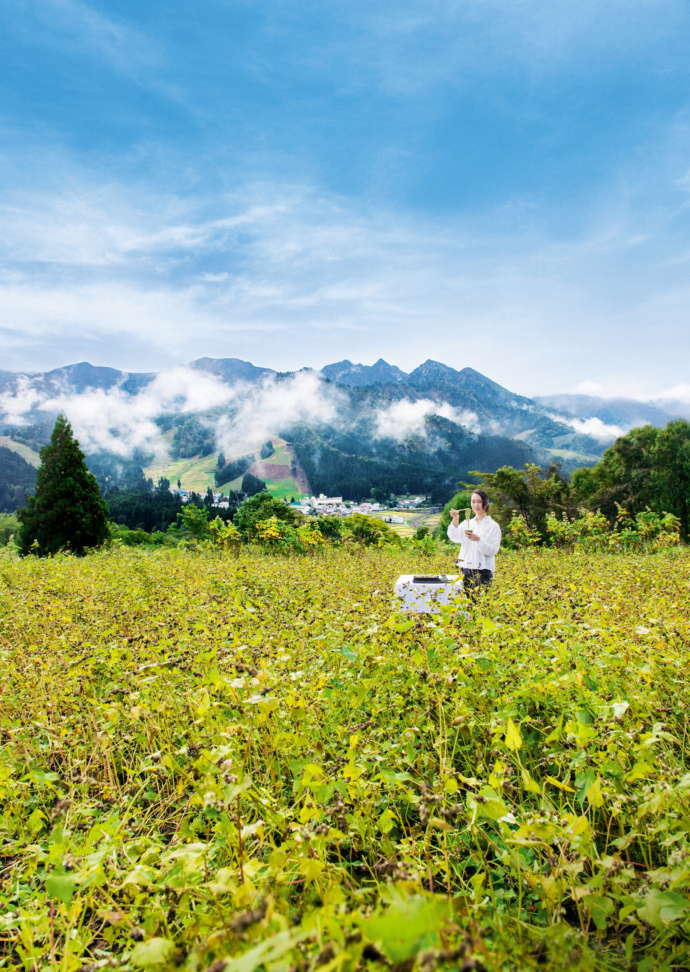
<point>348,428</point>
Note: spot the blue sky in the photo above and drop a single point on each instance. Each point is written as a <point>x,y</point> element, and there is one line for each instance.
<point>497,183</point>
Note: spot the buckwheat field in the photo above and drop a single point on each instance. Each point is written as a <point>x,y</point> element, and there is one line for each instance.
<point>244,761</point>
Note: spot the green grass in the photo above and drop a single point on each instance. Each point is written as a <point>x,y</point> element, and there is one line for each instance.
<point>282,454</point>
<point>195,473</point>
<point>199,473</point>
<point>280,488</point>
<point>32,457</point>
<point>283,488</point>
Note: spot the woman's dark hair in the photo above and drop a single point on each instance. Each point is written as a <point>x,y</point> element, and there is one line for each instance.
<point>483,497</point>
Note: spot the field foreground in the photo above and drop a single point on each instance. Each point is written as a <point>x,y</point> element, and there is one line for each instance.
<point>248,762</point>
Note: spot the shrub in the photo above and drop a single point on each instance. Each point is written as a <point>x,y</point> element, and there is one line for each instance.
<point>277,534</point>
<point>9,524</point>
<point>224,534</point>
<point>262,507</point>
<point>194,522</point>
<point>368,531</point>
<point>518,534</point>
<point>459,501</point>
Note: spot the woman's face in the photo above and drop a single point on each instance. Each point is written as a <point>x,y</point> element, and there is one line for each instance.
<point>477,505</point>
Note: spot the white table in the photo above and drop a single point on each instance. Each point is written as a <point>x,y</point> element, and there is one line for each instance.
<point>424,593</point>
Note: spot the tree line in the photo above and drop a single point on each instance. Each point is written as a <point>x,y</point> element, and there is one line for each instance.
<point>71,508</point>
<point>645,471</point>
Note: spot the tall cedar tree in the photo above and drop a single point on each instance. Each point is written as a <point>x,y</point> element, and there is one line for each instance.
<point>67,511</point>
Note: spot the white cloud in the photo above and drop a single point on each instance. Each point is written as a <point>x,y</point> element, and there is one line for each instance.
<point>117,422</point>
<point>96,224</point>
<point>405,418</point>
<point>14,405</point>
<point>632,389</point>
<point>678,393</point>
<point>276,404</point>
<point>173,318</point>
<point>330,278</point>
<point>587,387</point>
<point>595,428</point>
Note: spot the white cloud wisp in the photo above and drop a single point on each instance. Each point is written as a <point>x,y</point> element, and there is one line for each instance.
<point>117,422</point>
<point>594,428</point>
<point>406,418</point>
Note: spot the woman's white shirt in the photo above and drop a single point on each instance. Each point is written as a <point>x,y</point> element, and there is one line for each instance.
<point>477,554</point>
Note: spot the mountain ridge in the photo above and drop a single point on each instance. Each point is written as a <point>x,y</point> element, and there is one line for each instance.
<point>478,400</point>
<point>370,424</point>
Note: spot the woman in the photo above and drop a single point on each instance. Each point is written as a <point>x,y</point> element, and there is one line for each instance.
<point>479,539</point>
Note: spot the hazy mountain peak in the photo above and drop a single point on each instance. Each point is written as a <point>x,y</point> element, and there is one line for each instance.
<point>83,375</point>
<point>346,373</point>
<point>231,369</point>
<point>431,368</point>
<point>84,370</point>
<point>478,380</point>
<point>622,412</point>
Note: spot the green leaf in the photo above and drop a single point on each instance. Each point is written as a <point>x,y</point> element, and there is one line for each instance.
<point>153,952</point>
<point>594,795</point>
<point>225,880</point>
<point>640,771</point>
<point>529,783</point>
<point>601,908</point>
<point>35,821</point>
<point>513,737</point>
<point>561,786</point>
<point>267,952</point>
<point>386,821</point>
<point>43,777</point>
<point>311,868</point>
<point>488,804</point>
<point>61,887</point>
<point>409,925</point>
<point>488,625</point>
<point>583,781</point>
<point>661,908</point>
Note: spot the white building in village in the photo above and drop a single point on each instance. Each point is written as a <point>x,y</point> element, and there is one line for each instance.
<point>334,506</point>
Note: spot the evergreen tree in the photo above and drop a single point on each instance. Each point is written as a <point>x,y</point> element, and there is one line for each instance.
<point>67,511</point>
<point>252,484</point>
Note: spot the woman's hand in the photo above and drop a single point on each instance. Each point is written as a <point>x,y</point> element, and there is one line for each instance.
<point>455,516</point>
<point>471,535</point>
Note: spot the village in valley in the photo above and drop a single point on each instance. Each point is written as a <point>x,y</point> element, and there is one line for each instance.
<point>405,515</point>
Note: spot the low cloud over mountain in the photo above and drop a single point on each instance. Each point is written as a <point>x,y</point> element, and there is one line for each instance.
<point>240,404</point>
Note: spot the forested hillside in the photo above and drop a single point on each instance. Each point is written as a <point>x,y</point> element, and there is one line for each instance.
<point>17,479</point>
<point>352,430</point>
<point>354,463</point>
